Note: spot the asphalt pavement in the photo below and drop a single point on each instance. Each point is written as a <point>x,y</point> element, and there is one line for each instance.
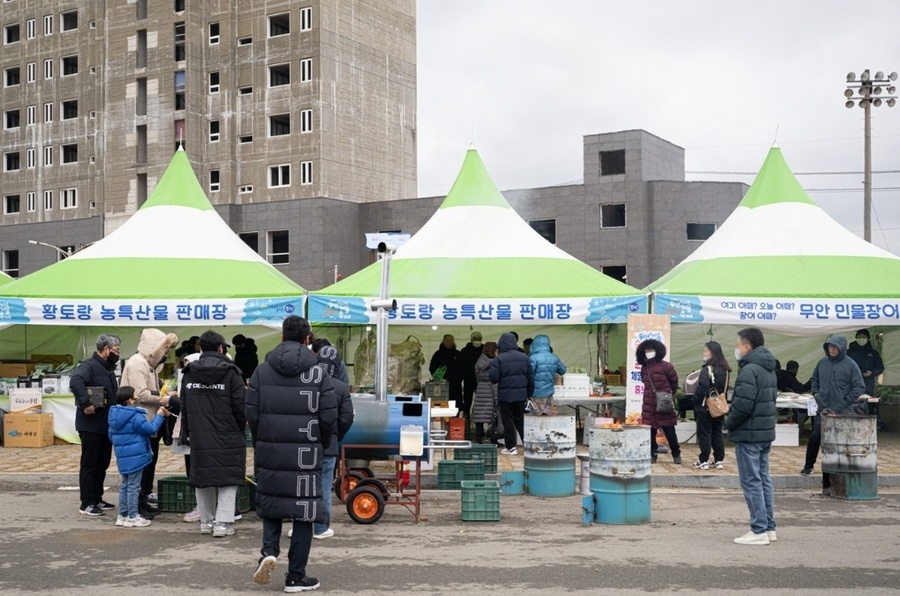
<point>538,547</point>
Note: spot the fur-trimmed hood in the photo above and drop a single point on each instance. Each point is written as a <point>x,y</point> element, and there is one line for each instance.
<point>155,344</point>
<point>650,344</point>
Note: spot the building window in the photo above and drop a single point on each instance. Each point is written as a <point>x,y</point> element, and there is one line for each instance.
<point>246,189</point>
<point>245,90</point>
<point>48,24</point>
<point>48,69</point>
<point>11,77</point>
<point>140,150</point>
<point>30,158</point>
<point>612,215</point>
<point>306,173</point>
<point>306,121</point>
<point>213,131</point>
<point>546,228</point>
<point>214,184</point>
<point>11,263</point>
<point>700,231</point>
<point>251,239</point>
<point>31,202</point>
<point>48,155</point>
<point>48,112</point>
<point>69,65</point>
<point>31,115</point>
<point>279,24</point>
<point>618,272</point>
<point>213,34</point>
<point>278,247</point>
<point>70,153</point>
<point>179,133</point>
<point>11,162</point>
<point>11,33</point>
<point>214,82</point>
<point>612,162</point>
<point>179,90</point>
<point>141,9</point>
<point>30,29</point>
<point>279,75</point>
<point>180,51</point>
<point>243,139</point>
<point>279,125</point>
<point>12,119</point>
<point>245,41</point>
<point>31,72</point>
<point>68,198</point>
<point>69,20</point>
<point>48,200</point>
<point>11,204</point>
<point>306,19</point>
<point>279,176</point>
<point>141,184</point>
<point>179,5</point>
<point>306,70</point>
<point>140,100</point>
<point>140,54</point>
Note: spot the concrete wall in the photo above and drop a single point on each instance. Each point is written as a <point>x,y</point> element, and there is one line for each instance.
<point>77,233</point>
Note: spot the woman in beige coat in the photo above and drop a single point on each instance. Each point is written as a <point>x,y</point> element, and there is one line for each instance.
<point>142,373</point>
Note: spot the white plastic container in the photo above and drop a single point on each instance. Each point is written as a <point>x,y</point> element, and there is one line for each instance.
<point>412,440</point>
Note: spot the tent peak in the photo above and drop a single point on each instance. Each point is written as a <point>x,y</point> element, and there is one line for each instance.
<point>473,186</point>
<point>775,183</point>
<point>179,186</point>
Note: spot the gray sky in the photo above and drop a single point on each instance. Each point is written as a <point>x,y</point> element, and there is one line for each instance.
<point>527,79</point>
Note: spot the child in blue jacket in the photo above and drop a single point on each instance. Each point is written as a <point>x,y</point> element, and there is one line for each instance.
<point>546,366</point>
<point>129,431</point>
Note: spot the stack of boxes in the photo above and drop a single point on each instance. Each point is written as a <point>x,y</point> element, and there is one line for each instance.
<point>574,385</point>
<point>26,425</point>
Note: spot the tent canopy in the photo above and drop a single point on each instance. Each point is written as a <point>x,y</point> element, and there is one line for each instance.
<point>174,262</point>
<point>779,260</point>
<point>476,260</point>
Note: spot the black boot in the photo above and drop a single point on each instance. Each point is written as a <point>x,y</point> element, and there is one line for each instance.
<point>147,510</point>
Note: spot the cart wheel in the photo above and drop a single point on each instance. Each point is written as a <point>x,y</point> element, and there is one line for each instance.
<point>376,484</point>
<point>365,505</point>
<point>366,472</point>
<point>346,484</point>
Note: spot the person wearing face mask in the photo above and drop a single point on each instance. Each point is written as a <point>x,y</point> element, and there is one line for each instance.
<point>141,371</point>
<point>658,375</point>
<point>468,356</point>
<point>713,375</point>
<point>92,422</point>
<point>867,359</point>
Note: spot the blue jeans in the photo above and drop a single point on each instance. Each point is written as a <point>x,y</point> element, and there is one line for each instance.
<point>753,471</point>
<point>128,494</point>
<point>328,463</point>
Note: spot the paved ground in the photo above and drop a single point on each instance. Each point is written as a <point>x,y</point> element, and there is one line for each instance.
<point>539,547</point>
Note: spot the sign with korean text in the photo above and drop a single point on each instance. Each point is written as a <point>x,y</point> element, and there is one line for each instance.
<point>641,328</point>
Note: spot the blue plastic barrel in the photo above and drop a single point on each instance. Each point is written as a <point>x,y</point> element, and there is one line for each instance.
<point>512,483</point>
<point>550,460</point>
<point>620,474</point>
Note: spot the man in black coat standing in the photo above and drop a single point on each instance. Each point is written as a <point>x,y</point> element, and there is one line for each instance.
<point>512,373</point>
<point>292,411</point>
<point>92,422</point>
<point>468,356</point>
<point>212,406</point>
<point>447,357</point>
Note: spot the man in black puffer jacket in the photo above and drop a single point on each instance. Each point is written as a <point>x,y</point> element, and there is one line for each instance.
<point>292,410</point>
<point>212,406</point>
<point>512,373</point>
<point>751,426</point>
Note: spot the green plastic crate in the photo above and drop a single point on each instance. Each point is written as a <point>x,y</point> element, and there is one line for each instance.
<point>176,495</point>
<point>485,453</point>
<point>480,500</point>
<point>452,472</point>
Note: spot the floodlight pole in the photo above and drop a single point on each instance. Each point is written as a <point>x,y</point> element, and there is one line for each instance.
<point>867,175</point>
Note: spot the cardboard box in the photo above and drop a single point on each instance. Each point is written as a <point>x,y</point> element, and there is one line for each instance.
<point>13,370</point>
<point>28,430</point>
<point>22,401</point>
<point>50,385</point>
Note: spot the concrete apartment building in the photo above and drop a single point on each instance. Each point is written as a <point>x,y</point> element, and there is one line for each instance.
<point>288,110</point>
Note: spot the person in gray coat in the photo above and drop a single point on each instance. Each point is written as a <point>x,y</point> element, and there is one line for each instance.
<point>485,392</point>
<point>837,383</point>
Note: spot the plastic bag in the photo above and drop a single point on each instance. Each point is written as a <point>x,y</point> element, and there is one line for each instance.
<point>405,361</point>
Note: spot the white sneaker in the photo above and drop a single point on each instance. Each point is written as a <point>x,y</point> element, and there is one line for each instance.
<point>752,539</point>
<point>264,570</point>
<point>222,530</point>
<point>120,521</point>
<point>326,534</point>
<point>772,536</point>
<point>512,451</point>
<point>206,528</point>
<point>136,522</point>
<point>192,517</point>
<point>720,465</point>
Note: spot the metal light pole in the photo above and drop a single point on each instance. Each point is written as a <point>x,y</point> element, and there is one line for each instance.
<point>867,92</point>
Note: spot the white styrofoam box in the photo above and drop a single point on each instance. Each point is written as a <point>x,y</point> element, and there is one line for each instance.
<point>64,388</point>
<point>786,435</point>
<point>576,380</point>
<point>25,400</point>
<point>686,431</point>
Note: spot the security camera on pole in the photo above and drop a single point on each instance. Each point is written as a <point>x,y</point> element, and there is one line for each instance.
<point>867,92</point>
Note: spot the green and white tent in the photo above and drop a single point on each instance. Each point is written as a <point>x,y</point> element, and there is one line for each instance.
<point>477,262</point>
<point>175,262</point>
<point>780,261</point>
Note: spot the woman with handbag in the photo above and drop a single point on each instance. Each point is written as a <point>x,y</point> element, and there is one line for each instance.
<point>660,382</point>
<point>712,385</point>
<point>485,392</point>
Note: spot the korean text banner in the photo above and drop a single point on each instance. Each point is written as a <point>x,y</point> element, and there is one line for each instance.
<point>778,311</point>
<point>157,313</point>
<point>484,311</point>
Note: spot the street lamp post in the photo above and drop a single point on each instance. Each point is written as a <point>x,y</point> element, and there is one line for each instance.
<point>65,254</point>
<point>867,92</point>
